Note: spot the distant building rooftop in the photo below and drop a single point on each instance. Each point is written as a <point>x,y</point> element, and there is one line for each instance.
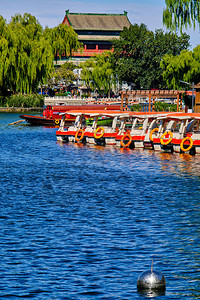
<point>95,31</point>
<point>91,21</point>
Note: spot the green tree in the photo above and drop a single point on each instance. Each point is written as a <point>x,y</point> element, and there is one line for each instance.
<point>64,73</point>
<point>139,51</point>
<point>185,67</point>
<point>63,40</point>
<point>181,13</point>
<point>27,52</point>
<point>5,42</point>
<point>97,72</point>
<point>25,56</point>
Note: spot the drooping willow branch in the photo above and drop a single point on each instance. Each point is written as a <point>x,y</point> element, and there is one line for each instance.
<point>180,14</point>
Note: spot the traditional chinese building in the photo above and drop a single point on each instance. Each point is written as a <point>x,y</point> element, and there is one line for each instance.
<point>95,31</point>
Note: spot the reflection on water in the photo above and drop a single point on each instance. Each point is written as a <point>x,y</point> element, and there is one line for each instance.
<point>180,164</point>
<point>151,294</point>
<point>83,222</point>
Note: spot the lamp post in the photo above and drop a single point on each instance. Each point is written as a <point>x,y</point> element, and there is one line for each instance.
<point>193,97</point>
<point>192,92</point>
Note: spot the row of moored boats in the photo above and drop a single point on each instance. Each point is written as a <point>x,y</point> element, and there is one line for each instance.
<point>173,132</point>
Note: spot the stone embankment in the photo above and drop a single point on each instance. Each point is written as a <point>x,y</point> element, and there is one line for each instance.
<point>20,109</point>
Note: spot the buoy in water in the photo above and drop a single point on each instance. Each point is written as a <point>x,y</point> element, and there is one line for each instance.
<point>151,280</point>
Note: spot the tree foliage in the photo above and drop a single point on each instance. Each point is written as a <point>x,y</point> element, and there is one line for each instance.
<point>97,72</point>
<point>180,14</point>
<point>139,51</point>
<point>64,73</point>
<point>185,67</point>
<point>25,58</point>
<point>27,52</point>
<point>63,40</point>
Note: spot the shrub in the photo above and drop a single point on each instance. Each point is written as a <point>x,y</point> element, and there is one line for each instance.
<point>162,106</point>
<point>136,107</point>
<point>2,101</point>
<point>159,106</point>
<point>29,100</point>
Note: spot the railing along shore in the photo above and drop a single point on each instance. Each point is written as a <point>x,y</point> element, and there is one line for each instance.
<point>64,100</point>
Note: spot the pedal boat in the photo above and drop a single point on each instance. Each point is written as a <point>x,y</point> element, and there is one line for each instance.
<point>133,135</point>
<point>124,130</point>
<point>168,135</point>
<point>80,132</point>
<point>73,133</point>
<point>102,135</point>
<point>191,139</point>
<point>139,131</point>
<point>151,132</point>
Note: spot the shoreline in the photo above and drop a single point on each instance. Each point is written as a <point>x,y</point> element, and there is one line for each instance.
<point>21,109</point>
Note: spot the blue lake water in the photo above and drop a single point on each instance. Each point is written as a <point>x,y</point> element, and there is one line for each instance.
<point>83,222</point>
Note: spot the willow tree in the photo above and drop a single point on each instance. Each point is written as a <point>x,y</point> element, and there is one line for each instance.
<point>27,52</point>
<point>181,13</point>
<point>97,72</point>
<point>183,67</point>
<point>5,43</point>
<point>26,58</point>
<point>63,40</point>
<point>31,58</point>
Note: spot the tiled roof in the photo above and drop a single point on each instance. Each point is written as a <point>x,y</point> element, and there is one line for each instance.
<point>97,21</point>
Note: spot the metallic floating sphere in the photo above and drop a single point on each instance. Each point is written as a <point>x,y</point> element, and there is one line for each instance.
<point>151,280</point>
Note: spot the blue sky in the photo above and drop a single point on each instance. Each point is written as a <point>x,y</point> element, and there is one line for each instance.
<point>50,13</point>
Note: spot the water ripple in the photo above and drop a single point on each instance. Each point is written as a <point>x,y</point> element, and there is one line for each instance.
<point>82,222</point>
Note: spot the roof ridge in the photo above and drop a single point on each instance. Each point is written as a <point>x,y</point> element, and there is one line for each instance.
<point>96,14</point>
<point>96,21</point>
